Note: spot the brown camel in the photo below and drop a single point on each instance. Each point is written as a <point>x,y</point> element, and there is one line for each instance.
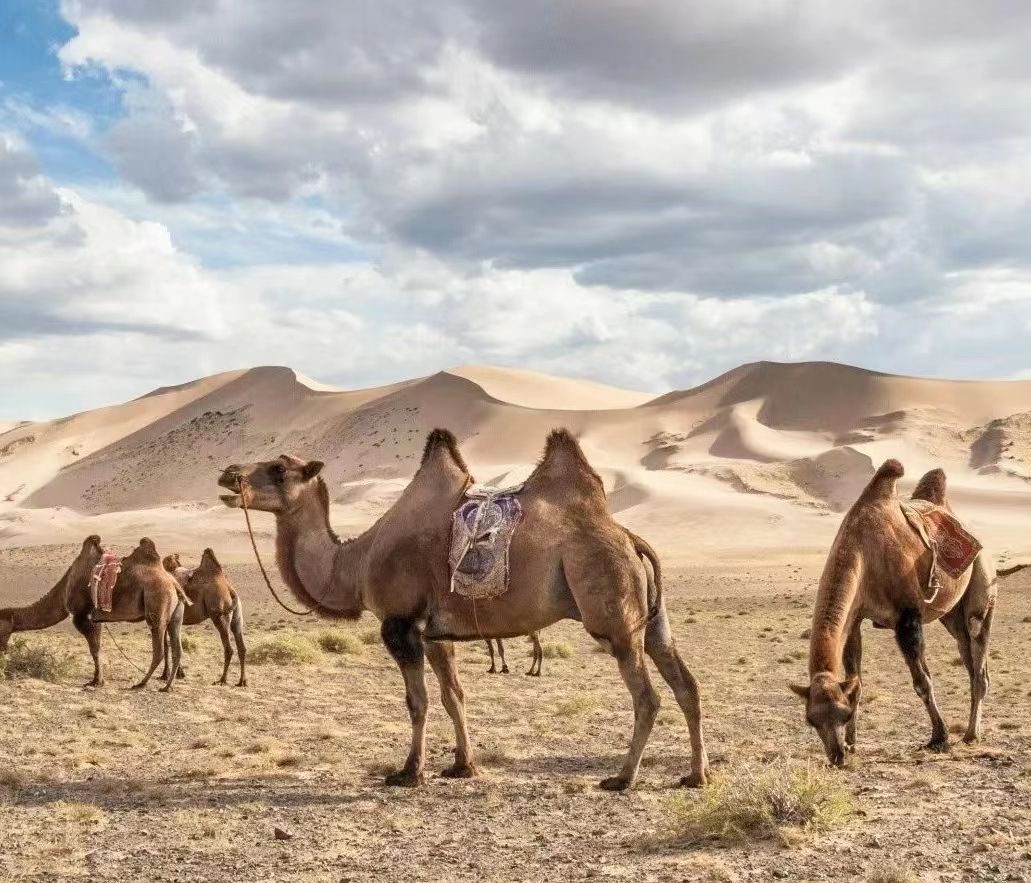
<point>143,592</point>
<point>878,569</point>
<point>568,560</point>
<point>535,666</point>
<point>213,598</point>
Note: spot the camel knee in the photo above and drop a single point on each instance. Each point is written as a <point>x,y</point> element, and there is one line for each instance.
<point>402,640</point>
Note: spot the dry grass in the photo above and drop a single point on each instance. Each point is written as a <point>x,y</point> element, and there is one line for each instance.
<point>762,805</point>
<point>289,648</point>
<point>336,641</point>
<point>34,660</point>
<point>576,705</point>
<point>190,643</point>
<point>558,650</point>
<point>892,874</point>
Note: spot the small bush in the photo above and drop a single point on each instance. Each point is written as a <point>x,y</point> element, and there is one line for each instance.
<point>340,642</point>
<point>371,636</point>
<point>559,650</point>
<point>190,643</point>
<point>760,806</point>
<point>892,874</point>
<point>25,660</point>
<point>579,704</point>
<point>285,649</point>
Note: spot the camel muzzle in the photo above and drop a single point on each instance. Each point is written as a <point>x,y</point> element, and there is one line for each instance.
<point>231,479</point>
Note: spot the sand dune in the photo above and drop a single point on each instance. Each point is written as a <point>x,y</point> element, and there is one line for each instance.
<point>754,460</point>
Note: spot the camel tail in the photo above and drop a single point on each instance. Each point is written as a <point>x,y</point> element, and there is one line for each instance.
<point>1009,571</point>
<point>182,594</point>
<point>645,551</point>
<point>236,617</point>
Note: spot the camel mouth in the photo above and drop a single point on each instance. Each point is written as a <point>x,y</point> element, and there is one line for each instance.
<point>230,500</point>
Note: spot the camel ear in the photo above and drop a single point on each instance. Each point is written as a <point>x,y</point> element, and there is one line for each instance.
<point>850,687</point>
<point>311,469</point>
<point>800,690</point>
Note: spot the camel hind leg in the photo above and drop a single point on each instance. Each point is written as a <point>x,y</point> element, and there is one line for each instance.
<point>538,656</point>
<point>630,656</point>
<point>236,624</point>
<point>90,630</point>
<point>175,640</point>
<point>441,655</point>
<point>501,653</point>
<point>221,623</point>
<point>973,650</point>
<point>659,644</point>
<point>158,626</point>
<point>490,649</point>
<point>909,633</point>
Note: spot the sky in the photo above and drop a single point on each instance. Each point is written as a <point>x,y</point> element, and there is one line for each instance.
<point>645,194</point>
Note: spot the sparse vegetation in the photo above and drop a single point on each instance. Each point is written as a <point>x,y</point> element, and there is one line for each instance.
<point>558,650</point>
<point>371,636</point>
<point>581,703</point>
<point>892,874</point>
<point>289,648</point>
<point>34,660</point>
<point>336,641</point>
<point>762,805</point>
<point>190,643</point>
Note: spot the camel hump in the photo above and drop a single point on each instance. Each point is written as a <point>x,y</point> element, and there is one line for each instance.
<point>147,551</point>
<point>564,459</point>
<point>443,439</point>
<point>208,557</point>
<point>92,540</point>
<point>882,485</point>
<point>931,487</point>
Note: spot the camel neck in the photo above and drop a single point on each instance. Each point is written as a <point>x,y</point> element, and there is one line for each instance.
<point>833,615</point>
<point>40,614</point>
<point>322,572</point>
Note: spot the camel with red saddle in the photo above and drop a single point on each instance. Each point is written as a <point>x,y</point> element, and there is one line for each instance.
<point>901,564</point>
<point>568,560</point>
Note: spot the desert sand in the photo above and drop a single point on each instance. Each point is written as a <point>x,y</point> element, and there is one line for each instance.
<point>739,484</point>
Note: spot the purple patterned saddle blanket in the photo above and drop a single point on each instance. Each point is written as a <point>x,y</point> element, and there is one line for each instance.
<point>481,532</point>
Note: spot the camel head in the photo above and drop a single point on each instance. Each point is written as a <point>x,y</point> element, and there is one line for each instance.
<point>171,562</point>
<point>829,705</point>
<point>81,571</point>
<point>270,486</point>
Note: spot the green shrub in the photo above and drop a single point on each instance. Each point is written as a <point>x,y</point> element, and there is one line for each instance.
<point>25,660</point>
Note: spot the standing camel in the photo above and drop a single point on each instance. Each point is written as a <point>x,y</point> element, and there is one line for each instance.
<point>144,591</point>
<point>879,569</point>
<point>535,666</point>
<point>568,560</point>
<point>213,598</point>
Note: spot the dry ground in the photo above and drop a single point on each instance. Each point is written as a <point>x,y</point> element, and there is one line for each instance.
<point>113,785</point>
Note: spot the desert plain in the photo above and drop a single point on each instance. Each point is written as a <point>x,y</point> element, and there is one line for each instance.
<point>739,484</point>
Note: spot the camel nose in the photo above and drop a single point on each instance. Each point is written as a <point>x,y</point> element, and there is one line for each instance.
<point>230,477</point>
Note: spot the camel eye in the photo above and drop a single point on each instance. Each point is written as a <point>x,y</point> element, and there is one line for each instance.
<point>279,472</point>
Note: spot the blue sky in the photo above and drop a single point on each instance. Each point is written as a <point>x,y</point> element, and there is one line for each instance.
<point>646,198</point>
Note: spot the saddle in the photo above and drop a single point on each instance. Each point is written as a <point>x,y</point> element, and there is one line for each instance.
<point>481,532</point>
<point>953,547</point>
<point>102,583</point>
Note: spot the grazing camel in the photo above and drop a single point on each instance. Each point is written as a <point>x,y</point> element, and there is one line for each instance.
<point>213,598</point>
<point>879,569</point>
<point>568,560</point>
<point>143,592</point>
<point>535,666</point>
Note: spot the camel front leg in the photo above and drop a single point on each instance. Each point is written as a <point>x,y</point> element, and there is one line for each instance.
<point>174,637</point>
<point>853,661</point>
<point>236,624</point>
<point>909,633</point>
<point>646,707</point>
<point>538,656</point>
<point>441,655</point>
<point>490,649</point>
<point>219,621</point>
<point>90,630</point>
<point>403,641</point>
<point>501,653</point>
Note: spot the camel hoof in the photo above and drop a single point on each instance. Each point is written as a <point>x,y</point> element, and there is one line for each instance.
<point>972,738</point>
<point>92,684</point>
<point>166,689</point>
<point>504,671</point>
<point>492,670</point>
<point>460,771</point>
<point>694,780</point>
<point>138,686</point>
<point>614,783</point>
<point>404,779</point>
<point>938,746</point>
<point>221,682</point>
<point>242,684</point>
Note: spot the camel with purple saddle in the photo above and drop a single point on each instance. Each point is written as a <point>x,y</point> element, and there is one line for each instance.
<point>568,560</point>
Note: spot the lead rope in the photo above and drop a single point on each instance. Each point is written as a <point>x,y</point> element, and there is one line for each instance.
<point>261,565</point>
<point>111,635</point>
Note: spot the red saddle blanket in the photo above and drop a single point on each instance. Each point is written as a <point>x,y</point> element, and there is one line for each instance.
<point>954,547</point>
<point>102,585</point>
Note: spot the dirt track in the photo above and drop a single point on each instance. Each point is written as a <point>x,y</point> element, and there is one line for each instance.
<point>113,785</point>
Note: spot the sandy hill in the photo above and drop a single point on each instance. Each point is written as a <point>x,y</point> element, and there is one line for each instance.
<point>754,459</point>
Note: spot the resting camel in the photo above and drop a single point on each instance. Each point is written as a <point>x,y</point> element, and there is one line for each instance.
<point>143,592</point>
<point>535,666</point>
<point>213,598</point>
<point>568,560</point>
<point>878,569</point>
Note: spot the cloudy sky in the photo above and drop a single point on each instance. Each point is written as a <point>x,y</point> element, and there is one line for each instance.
<point>642,192</point>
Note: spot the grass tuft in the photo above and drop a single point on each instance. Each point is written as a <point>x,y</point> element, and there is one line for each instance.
<point>558,650</point>
<point>576,705</point>
<point>25,660</point>
<point>288,648</point>
<point>892,874</point>
<point>370,637</point>
<point>190,643</point>
<point>335,641</point>
<point>769,804</point>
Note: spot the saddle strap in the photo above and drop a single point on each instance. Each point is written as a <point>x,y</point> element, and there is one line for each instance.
<point>916,521</point>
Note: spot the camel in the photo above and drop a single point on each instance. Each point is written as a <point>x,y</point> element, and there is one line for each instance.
<point>535,666</point>
<point>568,560</point>
<point>213,598</point>
<point>144,591</point>
<point>878,569</point>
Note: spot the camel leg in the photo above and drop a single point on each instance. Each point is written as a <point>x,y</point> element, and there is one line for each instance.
<point>236,624</point>
<point>174,631</point>
<point>441,656</point>
<point>158,627</point>
<point>490,649</point>
<point>973,651</point>
<point>659,644</point>
<point>853,659</point>
<point>220,622</point>
<point>90,630</point>
<point>538,656</point>
<point>909,633</point>
<point>164,670</point>
<point>630,656</point>
<point>405,644</point>
<point>501,652</point>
